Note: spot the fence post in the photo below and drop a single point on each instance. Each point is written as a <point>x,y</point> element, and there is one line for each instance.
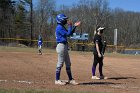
<point>115,39</point>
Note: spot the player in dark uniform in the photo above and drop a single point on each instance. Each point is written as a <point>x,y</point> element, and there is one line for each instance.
<point>98,53</point>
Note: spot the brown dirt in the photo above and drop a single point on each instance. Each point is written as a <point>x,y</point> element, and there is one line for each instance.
<point>26,70</point>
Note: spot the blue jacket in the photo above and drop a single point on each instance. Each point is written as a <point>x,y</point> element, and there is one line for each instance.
<point>40,42</point>
<point>62,33</point>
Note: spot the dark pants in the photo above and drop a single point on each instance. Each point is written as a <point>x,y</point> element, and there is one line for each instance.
<point>96,61</point>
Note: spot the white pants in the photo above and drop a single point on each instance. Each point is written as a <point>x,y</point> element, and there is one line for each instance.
<point>63,55</point>
<point>39,47</point>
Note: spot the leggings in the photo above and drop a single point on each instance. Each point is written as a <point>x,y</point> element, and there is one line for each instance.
<point>96,61</point>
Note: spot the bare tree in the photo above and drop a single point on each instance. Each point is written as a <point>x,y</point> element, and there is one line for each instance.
<point>44,17</point>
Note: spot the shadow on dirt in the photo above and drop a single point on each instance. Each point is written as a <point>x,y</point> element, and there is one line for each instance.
<point>119,78</point>
<point>99,83</point>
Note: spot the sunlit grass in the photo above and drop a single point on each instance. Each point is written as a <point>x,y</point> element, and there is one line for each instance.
<point>26,49</point>
<point>48,50</point>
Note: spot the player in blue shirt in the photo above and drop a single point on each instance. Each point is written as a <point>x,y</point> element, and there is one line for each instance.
<point>62,47</point>
<point>40,42</point>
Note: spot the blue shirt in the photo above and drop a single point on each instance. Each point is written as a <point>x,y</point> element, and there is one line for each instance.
<point>40,42</point>
<point>62,33</point>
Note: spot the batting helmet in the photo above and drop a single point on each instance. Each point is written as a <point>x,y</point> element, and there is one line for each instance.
<point>61,19</point>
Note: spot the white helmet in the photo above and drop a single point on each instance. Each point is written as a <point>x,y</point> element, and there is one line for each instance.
<point>100,28</point>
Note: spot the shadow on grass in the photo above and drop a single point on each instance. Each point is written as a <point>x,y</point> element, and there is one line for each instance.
<point>119,78</point>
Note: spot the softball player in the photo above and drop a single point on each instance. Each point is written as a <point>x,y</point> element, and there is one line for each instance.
<point>40,42</point>
<point>62,47</point>
<point>98,53</point>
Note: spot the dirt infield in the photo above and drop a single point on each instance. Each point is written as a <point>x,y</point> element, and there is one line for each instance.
<point>28,70</point>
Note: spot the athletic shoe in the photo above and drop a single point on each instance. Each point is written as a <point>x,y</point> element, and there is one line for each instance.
<point>73,82</point>
<point>40,53</point>
<point>59,82</point>
<point>103,77</point>
<point>95,77</point>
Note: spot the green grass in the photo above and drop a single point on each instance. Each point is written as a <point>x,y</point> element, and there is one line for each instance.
<point>108,54</point>
<point>27,49</point>
<point>120,55</point>
<point>47,50</point>
<point>39,91</point>
<point>16,49</point>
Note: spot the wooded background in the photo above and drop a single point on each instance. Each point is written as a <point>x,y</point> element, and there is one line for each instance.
<point>21,19</point>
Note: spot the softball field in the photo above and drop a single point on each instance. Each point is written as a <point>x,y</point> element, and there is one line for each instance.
<point>23,68</point>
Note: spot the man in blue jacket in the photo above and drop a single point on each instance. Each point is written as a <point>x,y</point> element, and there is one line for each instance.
<point>62,47</point>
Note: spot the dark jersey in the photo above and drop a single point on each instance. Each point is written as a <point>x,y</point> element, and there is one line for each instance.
<point>97,39</point>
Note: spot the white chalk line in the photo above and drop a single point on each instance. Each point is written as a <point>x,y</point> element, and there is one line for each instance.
<point>17,81</point>
<point>124,87</point>
<point>30,82</point>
